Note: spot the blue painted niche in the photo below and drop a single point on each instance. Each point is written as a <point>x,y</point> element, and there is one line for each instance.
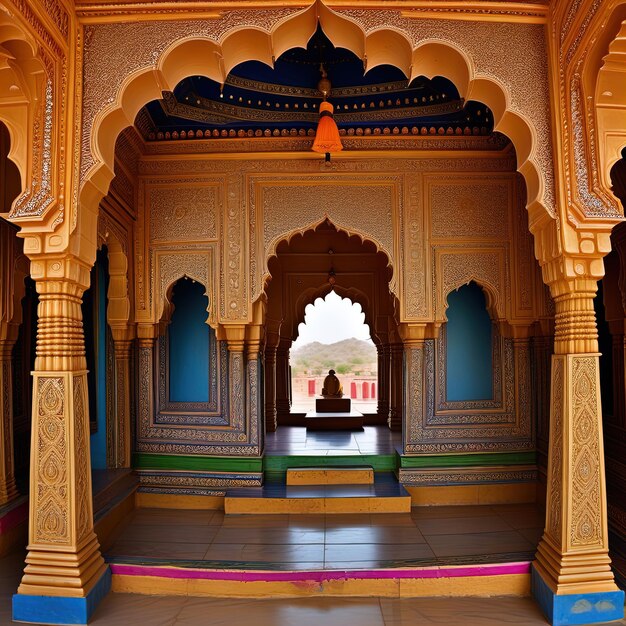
<point>469,358</point>
<point>188,344</point>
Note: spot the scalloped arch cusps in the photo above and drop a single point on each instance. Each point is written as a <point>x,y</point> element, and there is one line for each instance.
<point>214,59</point>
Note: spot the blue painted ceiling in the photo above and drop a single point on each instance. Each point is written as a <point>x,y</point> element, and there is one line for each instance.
<point>260,100</point>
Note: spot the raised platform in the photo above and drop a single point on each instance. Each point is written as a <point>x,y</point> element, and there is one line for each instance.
<point>448,551</point>
<point>385,495</point>
<point>474,580</point>
<point>337,420</point>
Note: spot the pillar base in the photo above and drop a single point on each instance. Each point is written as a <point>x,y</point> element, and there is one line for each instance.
<point>577,608</point>
<point>61,609</point>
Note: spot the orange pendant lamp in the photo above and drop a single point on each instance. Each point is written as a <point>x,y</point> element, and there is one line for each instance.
<point>327,138</point>
<point>327,135</point>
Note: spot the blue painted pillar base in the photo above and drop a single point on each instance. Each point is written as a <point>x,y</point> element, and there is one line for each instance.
<point>582,608</point>
<point>60,609</point>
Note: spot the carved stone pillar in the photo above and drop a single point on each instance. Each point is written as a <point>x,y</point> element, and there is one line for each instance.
<point>396,355</point>
<point>253,383</point>
<point>283,404</point>
<point>65,572</point>
<point>8,490</point>
<point>384,376</point>
<point>572,578</point>
<point>270,389</point>
<point>235,336</point>
<point>413,391</point>
<point>120,451</point>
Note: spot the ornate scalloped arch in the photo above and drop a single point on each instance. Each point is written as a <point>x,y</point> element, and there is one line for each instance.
<point>492,300</point>
<point>213,57</point>
<point>166,306</point>
<point>16,45</point>
<point>610,101</point>
<point>309,296</point>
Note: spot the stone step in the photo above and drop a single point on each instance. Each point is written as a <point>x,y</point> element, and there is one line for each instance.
<point>334,421</point>
<point>385,495</point>
<point>330,476</point>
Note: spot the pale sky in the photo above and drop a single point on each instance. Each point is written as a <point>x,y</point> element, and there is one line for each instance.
<point>331,320</point>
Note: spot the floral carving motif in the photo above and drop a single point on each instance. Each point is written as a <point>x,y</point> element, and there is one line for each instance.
<point>83,490</point>
<point>413,251</point>
<point>183,212</point>
<point>51,516</point>
<point>586,523</point>
<point>556,444</point>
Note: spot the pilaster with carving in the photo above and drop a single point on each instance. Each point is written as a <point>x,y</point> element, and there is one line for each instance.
<point>396,356</point>
<point>270,389</point>
<point>63,551</point>
<point>384,374</point>
<point>120,451</point>
<point>254,408</point>
<point>413,336</point>
<point>283,403</point>
<point>572,557</point>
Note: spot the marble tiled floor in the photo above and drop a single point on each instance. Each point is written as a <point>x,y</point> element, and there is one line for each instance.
<point>429,535</point>
<point>296,440</point>
<point>123,609</point>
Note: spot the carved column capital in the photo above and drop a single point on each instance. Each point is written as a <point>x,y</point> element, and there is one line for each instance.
<point>573,285</point>
<point>235,336</point>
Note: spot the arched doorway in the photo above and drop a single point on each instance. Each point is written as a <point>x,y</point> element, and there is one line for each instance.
<point>309,266</point>
<point>333,335</point>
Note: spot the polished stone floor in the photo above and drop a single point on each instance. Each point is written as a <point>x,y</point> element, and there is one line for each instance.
<point>296,440</point>
<point>426,536</point>
<point>123,609</point>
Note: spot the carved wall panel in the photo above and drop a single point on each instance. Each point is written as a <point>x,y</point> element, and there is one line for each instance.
<point>162,433</point>
<point>215,411</point>
<point>184,212</point>
<point>470,207</point>
<point>503,424</point>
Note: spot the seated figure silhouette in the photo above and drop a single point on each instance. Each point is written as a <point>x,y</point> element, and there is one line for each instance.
<point>332,388</point>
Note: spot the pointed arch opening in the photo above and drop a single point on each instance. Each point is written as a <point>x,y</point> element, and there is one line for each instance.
<point>333,335</point>
<point>188,338</point>
<point>326,268</point>
<point>468,334</point>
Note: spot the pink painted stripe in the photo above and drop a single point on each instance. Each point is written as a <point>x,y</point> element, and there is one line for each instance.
<point>497,569</point>
<point>13,517</point>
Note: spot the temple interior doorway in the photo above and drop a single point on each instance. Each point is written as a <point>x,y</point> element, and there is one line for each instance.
<point>329,307</point>
<point>334,336</point>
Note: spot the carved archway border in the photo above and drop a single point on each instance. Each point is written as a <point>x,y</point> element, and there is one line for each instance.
<point>215,47</point>
<point>35,124</point>
<point>592,97</point>
<point>271,251</point>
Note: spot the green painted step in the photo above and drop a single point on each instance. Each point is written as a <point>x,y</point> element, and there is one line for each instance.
<point>378,462</point>
<point>143,460</point>
<point>425,461</point>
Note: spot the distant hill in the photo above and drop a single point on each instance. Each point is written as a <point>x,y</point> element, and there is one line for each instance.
<point>347,356</point>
